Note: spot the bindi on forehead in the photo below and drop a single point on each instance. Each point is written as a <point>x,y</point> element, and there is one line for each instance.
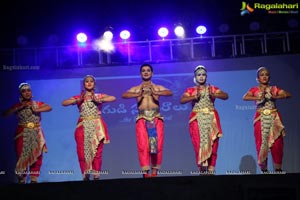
<point>265,72</point>
<point>201,74</point>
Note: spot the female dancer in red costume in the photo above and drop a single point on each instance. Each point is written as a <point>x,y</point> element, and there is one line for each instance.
<point>204,123</point>
<point>268,127</point>
<point>91,131</point>
<point>29,139</point>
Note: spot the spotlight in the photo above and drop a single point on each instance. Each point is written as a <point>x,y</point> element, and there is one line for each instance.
<point>254,26</point>
<point>108,35</point>
<point>81,37</point>
<point>52,39</point>
<point>179,31</point>
<point>163,32</point>
<point>201,30</point>
<point>224,28</point>
<point>22,40</point>
<point>293,23</point>
<point>125,34</point>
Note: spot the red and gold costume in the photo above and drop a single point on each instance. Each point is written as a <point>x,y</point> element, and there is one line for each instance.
<point>90,135</point>
<point>204,126</point>
<point>29,140</point>
<point>150,147</point>
<point>268,127</point>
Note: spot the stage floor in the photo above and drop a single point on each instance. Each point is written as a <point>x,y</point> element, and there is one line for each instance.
<point>233,187</point>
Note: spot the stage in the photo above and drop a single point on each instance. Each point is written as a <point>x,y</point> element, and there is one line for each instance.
<point>233,187</point>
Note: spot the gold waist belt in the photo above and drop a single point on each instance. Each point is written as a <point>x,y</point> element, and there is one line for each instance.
<point>203,110</point>
<point>267,111</point>
<point>149,113</point>
<point>30,125</point>
<point>90,117</point>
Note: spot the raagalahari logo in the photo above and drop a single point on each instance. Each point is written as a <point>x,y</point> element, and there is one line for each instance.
<point>271,8</point>
<point>246,9</point>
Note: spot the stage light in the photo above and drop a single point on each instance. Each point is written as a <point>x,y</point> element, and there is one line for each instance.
<point>293,23</point>
<point>81,37</point>
<point>22,40</point>
<point>254,26</point>
<point>52,39</point>
<point>108,35</point>
<point>125,34</point>
<point>201,30</point>
<point>163,32</point>
<point>224,28</point>
<point>179,31</point>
